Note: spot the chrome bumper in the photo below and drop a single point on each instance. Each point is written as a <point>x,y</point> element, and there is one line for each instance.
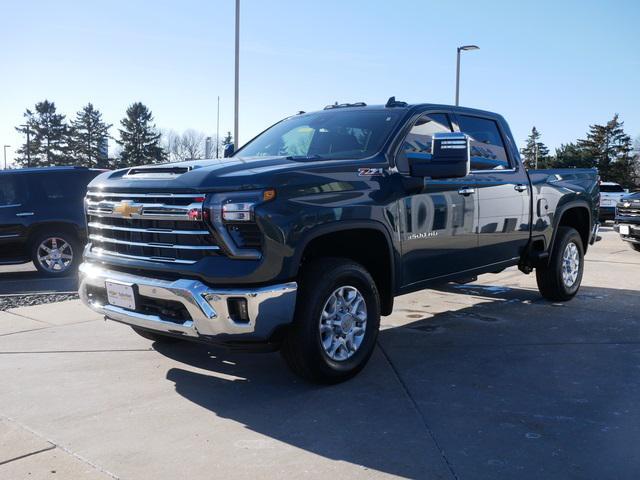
<point>268,307</point>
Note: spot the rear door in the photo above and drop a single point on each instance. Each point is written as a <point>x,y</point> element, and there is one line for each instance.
<point>438,226</point>
<point>14,197</point>
<point>502,189</point>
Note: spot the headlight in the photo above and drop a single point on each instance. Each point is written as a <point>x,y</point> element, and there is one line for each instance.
<point>236,211</point>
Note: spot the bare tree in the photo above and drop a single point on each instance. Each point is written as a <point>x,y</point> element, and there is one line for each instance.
<point>172,143</point>
<point>193,144</point>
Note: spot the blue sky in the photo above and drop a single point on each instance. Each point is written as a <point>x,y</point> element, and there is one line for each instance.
<point>558,65</point>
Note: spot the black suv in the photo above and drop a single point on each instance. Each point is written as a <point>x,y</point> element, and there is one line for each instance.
<point>42,217</point>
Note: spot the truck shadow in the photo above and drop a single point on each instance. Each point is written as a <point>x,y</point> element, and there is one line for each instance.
<point>369,421</point>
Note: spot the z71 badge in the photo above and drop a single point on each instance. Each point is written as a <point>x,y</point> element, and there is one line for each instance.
<point>370,172</point>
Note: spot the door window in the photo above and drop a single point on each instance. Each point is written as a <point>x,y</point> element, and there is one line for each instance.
<point>418,141</point>
<point>487,148</point>
<point>12,190</point>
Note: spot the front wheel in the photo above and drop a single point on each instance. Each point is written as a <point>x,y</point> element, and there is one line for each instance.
<point>336,321</point>
<point>560,279</point>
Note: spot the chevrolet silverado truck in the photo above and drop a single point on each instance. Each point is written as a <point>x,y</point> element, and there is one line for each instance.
<point>303,237</point>
<point>628,220</point>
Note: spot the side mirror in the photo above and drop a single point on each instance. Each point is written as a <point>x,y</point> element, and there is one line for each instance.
<point>450,157</point>
<point>228,150</point>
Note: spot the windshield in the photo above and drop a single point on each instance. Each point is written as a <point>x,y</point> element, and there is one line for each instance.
<point>330,134</point>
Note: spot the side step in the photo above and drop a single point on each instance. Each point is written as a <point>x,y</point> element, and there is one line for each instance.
<point>462,281</point>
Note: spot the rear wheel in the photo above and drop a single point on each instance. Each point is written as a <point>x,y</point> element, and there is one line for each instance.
<point>336,321</point>
<point>56,253</point>
<point>155,337</point>
<point>560,279</point>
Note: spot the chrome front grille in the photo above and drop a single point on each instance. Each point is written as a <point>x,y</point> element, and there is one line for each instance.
<point>159,227</point>
<point>632,211</point>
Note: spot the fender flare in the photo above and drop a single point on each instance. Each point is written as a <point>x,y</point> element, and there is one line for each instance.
<point>346,225</point>
<point>559,214</point>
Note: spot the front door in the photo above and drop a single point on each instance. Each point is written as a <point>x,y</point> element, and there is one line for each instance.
<point>13,196</point>
<point>502,189</point>
<point>438,222</point>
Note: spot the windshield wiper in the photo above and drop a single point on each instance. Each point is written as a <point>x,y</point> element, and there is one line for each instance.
<point>302,158</point>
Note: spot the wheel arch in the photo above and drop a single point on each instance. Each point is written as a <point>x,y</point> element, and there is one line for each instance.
<point>346,240</point>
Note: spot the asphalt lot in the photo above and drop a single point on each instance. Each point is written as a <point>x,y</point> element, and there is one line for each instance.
<point>481,381</point>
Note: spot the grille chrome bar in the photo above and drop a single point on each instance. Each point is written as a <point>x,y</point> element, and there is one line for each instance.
<point>100,238</point>
<point>100,252</point>
<point>145,195</point>
<point>148,211</point>
<point>103,226</point>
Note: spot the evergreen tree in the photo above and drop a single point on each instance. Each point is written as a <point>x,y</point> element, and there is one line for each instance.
<point>88,137</point>
<point>535,154</point>
<point>570,155</point>
<point>49,142</point>
<point>610,148</point>
<point>228,139</point>
<point>139,139</point>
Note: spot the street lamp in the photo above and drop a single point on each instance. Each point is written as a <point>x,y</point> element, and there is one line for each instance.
<point>464,48</point>
<point>5,156</point>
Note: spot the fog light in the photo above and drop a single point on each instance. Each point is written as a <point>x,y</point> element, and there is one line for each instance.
<point>238,309</point>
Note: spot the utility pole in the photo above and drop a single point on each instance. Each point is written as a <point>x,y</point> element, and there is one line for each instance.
<point>464,48</point>
<point>218,131</point>
<point>26,125</point>
<point>5,156</point>
<point>237,82</point>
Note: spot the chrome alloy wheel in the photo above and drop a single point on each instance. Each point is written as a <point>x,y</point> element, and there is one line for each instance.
<point>55,254</point>
<point>343,323</point>
<point>570,265</point>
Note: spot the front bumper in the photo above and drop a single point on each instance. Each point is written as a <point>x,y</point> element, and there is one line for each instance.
<point>208,312</point>
<point>634,232</point>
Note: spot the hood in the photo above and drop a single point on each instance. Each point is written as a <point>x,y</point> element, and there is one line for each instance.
<point>203,176</point>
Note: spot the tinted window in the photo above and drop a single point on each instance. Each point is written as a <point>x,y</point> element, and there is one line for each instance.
<point>611,189</point>
<point>12,191</point>
<point>61,185</point>
<point>418,140</point>
<point>330,134</point>
<point>487,148</point>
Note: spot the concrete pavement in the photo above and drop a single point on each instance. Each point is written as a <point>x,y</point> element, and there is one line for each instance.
<point>485,380</point>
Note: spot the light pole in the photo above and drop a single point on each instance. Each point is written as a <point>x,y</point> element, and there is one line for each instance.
<point>218,131</point>
<point>5,156</point>
<point>235,120</point>
<point>464,48</point>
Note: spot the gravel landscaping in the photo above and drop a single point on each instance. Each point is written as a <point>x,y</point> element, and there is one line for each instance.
<point>15,301</point>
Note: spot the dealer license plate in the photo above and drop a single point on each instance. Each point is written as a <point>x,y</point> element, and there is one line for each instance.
<point>624,230</point>
<point>121,295</point>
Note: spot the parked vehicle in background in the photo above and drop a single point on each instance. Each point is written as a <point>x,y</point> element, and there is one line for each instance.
<point>610,194</point>
<point>628,220</point>
<point>303,238</point>
<point>42,217</point>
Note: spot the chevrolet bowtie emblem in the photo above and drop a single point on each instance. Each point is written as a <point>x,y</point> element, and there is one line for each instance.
<point>127,209</point>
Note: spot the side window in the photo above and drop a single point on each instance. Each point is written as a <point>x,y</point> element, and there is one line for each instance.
<point>418,140</point>
<point>487,148</point>
<point>62,185</point>
<point>12,191</point>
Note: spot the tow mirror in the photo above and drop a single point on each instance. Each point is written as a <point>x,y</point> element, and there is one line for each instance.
<point>228,150</point>
<point>450,157</point>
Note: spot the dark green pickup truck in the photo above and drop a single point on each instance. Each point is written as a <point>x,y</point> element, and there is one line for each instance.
<point>301,240</point>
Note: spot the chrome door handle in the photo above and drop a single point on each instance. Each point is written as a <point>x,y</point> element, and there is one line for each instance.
<point>520,188</point>
<point>24,214</point>
<point>466,191</point>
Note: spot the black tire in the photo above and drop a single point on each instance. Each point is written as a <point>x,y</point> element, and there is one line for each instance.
<point>635,246</point>
<point>302,348</point>
<point>550,280</point>
<point>155,337</point>
<point>67,243</point>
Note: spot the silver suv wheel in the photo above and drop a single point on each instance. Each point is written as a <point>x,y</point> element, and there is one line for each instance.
<point>343,323</point>
<point>55,254</point>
